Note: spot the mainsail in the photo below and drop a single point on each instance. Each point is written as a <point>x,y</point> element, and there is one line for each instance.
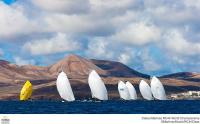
<point>26,91</point>
<point>157,89</point>
<point>145,90</point>
<point>64,87</point>
<point>97,87</point>
<point>123,91</point>
<point>132,91</point>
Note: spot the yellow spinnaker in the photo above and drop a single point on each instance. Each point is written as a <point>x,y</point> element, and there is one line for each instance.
<point>26,91</point>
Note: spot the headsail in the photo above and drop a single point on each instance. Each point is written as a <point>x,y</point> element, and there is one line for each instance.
<point>26,91</point>
<point>123,91</point>
<point>145,90</point>
<point>132,91</point>
<point>157,89</point>
<point>97,86</point>
<point>64,87</point>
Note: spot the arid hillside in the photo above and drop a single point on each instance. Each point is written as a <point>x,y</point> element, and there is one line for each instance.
<point>12,78</point>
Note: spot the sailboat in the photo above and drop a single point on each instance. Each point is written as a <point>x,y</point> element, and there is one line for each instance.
<point>123,91</point>
<point>97,86</point>
<point>132,91</point>
<point>64,87</point>
<point>26,91</point>
<point>145,90</point>
<point>157,89</point>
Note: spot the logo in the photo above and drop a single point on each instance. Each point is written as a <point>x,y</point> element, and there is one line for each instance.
<point>5,120</point>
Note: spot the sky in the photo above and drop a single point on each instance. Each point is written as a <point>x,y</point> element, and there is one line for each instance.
<point>155,37</point>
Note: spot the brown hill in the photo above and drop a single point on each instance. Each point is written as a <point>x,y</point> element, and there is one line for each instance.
<point>75,66</point>
<point>117,69</point>
<point>190,76</point>
<point>12,77</point>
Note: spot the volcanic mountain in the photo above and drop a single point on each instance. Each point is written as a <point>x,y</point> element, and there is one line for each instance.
<point>12,78</point>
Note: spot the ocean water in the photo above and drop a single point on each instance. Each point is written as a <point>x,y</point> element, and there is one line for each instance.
<point>101,107</point>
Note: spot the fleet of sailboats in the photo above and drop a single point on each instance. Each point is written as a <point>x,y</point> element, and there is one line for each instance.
<point>97,86</point>
<point>98,89</point>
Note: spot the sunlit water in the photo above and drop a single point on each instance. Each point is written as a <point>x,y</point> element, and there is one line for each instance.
<point>100,107</point>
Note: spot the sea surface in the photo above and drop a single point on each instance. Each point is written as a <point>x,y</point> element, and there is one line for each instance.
<point>101,107</point>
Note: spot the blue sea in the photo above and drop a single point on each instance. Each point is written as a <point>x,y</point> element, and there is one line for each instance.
<point>101,107</point>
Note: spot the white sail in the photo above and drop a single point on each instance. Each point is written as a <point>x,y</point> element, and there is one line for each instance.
<point>123,91</point>
<point>97,87</point>
<point>157,89</point>
<point>64,87</point>
<point>132,91</point>
<point>145,90</point>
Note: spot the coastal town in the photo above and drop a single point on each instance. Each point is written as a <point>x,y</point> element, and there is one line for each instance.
<point>189,95</point>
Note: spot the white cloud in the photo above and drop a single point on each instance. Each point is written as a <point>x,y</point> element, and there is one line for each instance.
<point>13,22</point>
<point>99,48</point>
<point>173,14</point>
<point>111,3</point>
<point>192,3</point>
<point>68,23</point>
<point>57,44</point>
<point>63,6</point>
<point>138,34</point>
<point>121,22</point>
<point>149,64</point>
<point>124,58</point>
<point>177,44</point>
<point>20,61</point>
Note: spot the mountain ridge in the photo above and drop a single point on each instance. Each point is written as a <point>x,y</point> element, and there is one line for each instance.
<point>77,68</point>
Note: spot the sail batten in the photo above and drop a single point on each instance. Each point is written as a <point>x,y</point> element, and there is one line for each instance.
<point>97,86</point>
<point>157,89</point>
<point>64,87</point>
<point>123,91</point>
<point>132,91</point>
<point>145,90</point>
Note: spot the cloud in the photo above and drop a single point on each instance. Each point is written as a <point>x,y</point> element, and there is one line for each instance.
<point>112,3</point>
<point>138,34</point>
<point>20,61</point>
<point>57,44</point>
<point>192,3</point>
<point>127,55</point>
<point>63,6</point>
<point>124,58</point>
<point>149,64</point>
<point>106,29</point>
<point>176,43</point>
<point>98,47</point>
<point>13,22</point>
